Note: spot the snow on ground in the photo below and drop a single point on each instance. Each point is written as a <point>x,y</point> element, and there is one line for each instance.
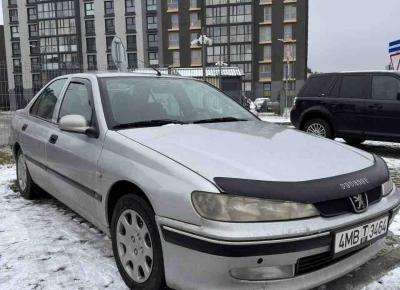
<point>274,118</point>
<point>391,281</point>
<point>44,245</point>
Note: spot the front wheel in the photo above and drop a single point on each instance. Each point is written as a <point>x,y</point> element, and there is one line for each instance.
<point>136,244</point>
<point>318,127</point>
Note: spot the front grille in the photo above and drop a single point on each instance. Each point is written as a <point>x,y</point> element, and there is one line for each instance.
<point>319,261</point>
<point>336,207</point>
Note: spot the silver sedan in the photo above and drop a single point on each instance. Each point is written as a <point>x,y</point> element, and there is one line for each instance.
<point>195,191</point>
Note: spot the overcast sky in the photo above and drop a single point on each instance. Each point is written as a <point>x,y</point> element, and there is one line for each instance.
<point>348,34</point>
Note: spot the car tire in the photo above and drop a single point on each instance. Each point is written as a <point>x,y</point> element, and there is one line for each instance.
<point>136,244</point>
<point>354,141</point>
<point>318,127</point>
<point>25,184</point>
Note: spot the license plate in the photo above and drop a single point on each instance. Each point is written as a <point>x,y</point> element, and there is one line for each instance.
<point>360,235</point>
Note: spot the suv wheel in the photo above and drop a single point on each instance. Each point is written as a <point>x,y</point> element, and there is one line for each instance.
<point>136,244</point>
<point>318,127</point>
<point>354,141</point>
<point>25,183</point>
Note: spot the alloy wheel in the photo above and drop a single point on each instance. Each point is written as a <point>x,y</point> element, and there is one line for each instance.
<point>22,172</point>
<point>317,129</point>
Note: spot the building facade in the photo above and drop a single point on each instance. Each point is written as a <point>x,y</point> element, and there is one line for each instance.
<point>4,99</point>
<point>46,38</point>
<point>267,39</point>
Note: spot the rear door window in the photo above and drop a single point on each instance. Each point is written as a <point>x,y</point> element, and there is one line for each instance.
<point>46,102</point>
<point>386,88</point>
<point>354,86</point>
<point>318,86</point>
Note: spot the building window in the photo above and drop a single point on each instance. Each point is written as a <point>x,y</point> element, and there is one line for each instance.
<point>110,27</point>
<point>35,64</point>
<point>194,36</point>
<point>151,22</point>
<point>267,55</point>
<point>109,8</point>
<point>13,15</point>
<point>288,32</point>
<point>130,24</point>
<point>173,5</point>
<point>16,48</point>
<point>12,2</point>
<point>247,69</point>
<point>109,40</point>
<point>218,34</point>
<point>32,14</point>
<point>110,63</point>
<point>195,20</point>
<point>46,10</point>
<point>241,52</point>
<point>176,58</point>
<point>33,30</point>
<point>47,27</point>
<point>265,71</point>
<point>195,57</point>
<point>18,81</point>
<point>92,62</point>
<point>241,13</point>
<point>132,60</point>
<point>267,88</point>
<point>217,53</point>
<point>265,33</point>
<point>216,15</point>
<point>152,40</point>
<point>130,6</point>
<point>36,83</point>
<point>174,21</point>
<point>14,31</point>
<point>153,58</point>
<point>131,42</point>
<point>17,66</point>
<point>91,44</point>
<point>90,27</point>
<point>66,26</point>
<point>288,70</point>
<point>290,12</point>
<point>34,47</point>
<point>89,9</point>
<point>289,51</point>
<point>65,9</point>
<point>151,5</point>
<point>267,15</point>
<point>173,39</point>
<point>194,4</point>
<point>241,33</point>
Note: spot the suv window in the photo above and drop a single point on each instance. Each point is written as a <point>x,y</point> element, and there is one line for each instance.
<point>385,88</point>
<point>354,86</point>
<point>318,86</point>
<point>77,102</point>
<point>46,102</point>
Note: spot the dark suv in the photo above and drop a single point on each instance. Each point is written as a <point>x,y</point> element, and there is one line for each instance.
<point>356,106</point>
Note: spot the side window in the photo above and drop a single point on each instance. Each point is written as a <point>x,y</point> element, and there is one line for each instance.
<point>318,86</point>
<point>385,88</point>
<point>77,102</point>
<point>354,86</point>
<point>46,102</point>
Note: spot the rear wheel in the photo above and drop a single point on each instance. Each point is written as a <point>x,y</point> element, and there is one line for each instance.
<point>318,127</point>
<point>25,183</point>
<point>136,244</point>
<point>354,141</point>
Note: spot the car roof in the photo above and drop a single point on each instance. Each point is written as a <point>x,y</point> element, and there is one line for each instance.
<point>124,74</point>
<point>359,72</point>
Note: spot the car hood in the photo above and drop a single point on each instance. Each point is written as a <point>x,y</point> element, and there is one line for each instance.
<point>251,150</point>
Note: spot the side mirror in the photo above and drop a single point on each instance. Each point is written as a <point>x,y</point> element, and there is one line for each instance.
<point>77,124</point>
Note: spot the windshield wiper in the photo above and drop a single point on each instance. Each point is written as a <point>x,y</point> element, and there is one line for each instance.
<point>220,120</point>
<point>149,123</point>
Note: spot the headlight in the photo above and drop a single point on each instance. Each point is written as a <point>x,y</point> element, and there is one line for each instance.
<point>387,187</point>
<point>231,208</point>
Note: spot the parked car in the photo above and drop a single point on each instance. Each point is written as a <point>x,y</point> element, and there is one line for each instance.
<point>356,106</point>
<point>163,166</point>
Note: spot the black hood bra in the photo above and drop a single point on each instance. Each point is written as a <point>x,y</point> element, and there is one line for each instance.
<point>311,191</point>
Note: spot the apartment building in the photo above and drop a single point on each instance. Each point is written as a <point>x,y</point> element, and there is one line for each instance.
<point>46,38</point>
<point>267,39</point>
<point>4,105</point>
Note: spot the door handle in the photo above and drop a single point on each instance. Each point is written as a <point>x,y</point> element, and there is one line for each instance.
<point>53,139</point>
<point>24,126</point>
<point>375,106</point>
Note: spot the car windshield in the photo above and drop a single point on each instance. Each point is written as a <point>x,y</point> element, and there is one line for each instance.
<point>148,101</point>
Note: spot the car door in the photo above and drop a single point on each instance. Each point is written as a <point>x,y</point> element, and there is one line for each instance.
<point>347,103</point>
<point>35,130</point>
<point>384,107</point>
<point>73,157</point>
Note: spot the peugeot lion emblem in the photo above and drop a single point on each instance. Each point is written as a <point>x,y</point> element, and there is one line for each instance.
<point>359,202</point>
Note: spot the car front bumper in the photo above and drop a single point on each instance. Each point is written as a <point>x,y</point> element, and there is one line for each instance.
<point>249,256</point>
